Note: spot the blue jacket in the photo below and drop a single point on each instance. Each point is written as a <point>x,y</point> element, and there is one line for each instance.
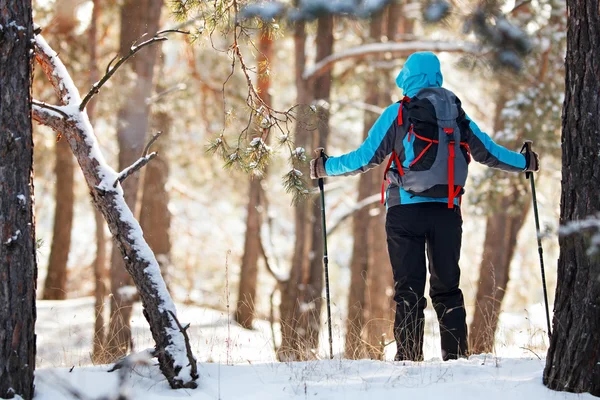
<point>421,70</point>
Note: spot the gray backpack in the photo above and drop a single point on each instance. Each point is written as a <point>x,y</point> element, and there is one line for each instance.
<point>435,144</point>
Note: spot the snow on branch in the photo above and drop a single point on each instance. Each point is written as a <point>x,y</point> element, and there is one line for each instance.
<point>175,360</point>
<point>397,48</point>
<point>590,224</point>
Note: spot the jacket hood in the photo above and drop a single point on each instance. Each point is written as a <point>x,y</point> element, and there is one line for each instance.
<point>421,70</point>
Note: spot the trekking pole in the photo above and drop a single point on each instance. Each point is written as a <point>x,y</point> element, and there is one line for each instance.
<point>529,175</point>
<point>325,258</point>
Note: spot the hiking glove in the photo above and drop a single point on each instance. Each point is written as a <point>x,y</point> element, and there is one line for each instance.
<point>532,161</point>
<point>317,168</point>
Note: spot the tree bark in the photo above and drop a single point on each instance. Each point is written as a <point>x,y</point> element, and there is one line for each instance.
<point>137,18</point>
<point>315,279</point>
<point>245,309</point>
<point>18,268</point>
<point>502,229</point>
<point>173,349</point>
<point>572,363</point>
<point>292,292</point>
<point>55,284</point>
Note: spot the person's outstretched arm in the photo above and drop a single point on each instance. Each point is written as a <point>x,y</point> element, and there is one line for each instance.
<point>487,152</point>
<point>376,147</point>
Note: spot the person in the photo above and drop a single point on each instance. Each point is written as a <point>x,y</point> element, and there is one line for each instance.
<point>430,141</point>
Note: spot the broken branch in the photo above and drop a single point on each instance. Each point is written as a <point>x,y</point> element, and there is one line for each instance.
<point>188,348</point>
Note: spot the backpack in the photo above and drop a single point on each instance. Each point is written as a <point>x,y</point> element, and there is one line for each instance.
<point>436,132</point>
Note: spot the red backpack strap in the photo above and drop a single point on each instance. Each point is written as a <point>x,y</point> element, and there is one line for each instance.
<point>393,157</point>
<point>405,99</point>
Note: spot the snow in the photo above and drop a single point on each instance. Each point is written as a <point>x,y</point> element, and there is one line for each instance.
<point>127,292</point>
<point>22,199</point>
<point>13,24</point>
<point>477,378</point>
<point>65,329</point>
<point>13,238</point>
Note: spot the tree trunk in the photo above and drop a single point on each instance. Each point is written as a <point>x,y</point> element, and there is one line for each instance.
<point>155,217</point>
<point>55,285</point>
<point>245,309</point>
<point>137,18</point>
<point>359,266</point>
<point>506,218</point>
<point>572,362</point>
<point>292,292</point>
<point>99,340</point>
<point>354,347</point>
<point>173,350</point>
<point>18,268</point>
<point>315,279</point>
<point>502,229</point>
<point>379,277</point>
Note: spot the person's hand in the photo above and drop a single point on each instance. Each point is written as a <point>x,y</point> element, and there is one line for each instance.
<point>532,160</point>
<point>317,166</point>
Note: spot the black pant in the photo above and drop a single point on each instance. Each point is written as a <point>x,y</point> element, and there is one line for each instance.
<point>409,228</point>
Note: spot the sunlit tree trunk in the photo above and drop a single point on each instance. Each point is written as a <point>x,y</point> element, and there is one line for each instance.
<point>55,284</point>
<point>155,217</point>
<point>315,279</point>
<point>572,363</point>
<point>18,268</point>
<point>245,309</point>
<point>137,18</point>
<point>292,292</point>
<point>502,228</point>
<point>379,274</point>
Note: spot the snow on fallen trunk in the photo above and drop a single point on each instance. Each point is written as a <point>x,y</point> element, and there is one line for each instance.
<point>174,353</point>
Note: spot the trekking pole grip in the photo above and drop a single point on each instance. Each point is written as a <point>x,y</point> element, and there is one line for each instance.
<point>527,148</point>
<point>321,153</point>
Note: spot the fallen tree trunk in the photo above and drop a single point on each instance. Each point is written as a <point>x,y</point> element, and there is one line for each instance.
<point>173,350</point>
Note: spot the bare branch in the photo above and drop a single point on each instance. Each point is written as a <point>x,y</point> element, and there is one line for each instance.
<point>367,201</point>
<point>396,48</point>
<point>158,96</point>
<point>175,30</point>
<point>132,51</point>
<point>150,143</point>
<point>136,166</point>
<point>46,116</point>
<point>274,274</point>
<point>49,107</point>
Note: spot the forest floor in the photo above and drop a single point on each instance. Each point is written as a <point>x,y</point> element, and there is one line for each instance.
<point>239,364</point>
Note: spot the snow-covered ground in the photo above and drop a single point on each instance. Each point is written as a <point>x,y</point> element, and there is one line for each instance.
<point>238,364</point>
